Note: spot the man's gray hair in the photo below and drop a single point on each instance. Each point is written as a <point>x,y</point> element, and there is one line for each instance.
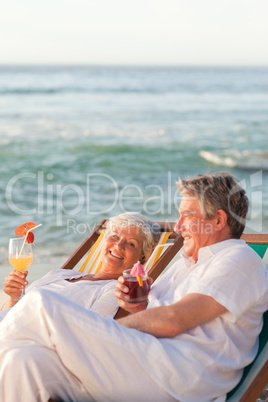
<point>150,230</point>
<point>219,191</point>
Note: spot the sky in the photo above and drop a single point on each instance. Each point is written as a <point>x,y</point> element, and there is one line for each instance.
<point>134,32</point>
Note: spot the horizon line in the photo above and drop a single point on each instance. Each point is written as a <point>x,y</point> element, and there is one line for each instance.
<point>7,64</point>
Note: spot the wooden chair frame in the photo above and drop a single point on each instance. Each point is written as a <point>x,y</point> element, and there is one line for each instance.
<point>158,267</point>
<point>255,238</point>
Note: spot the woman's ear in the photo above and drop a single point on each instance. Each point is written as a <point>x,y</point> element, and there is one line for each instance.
<point>221,220</point>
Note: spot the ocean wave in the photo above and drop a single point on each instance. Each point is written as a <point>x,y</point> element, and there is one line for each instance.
<point>242,160</point>
<point>184,91</point>
<point>38,91</point>
<point>99,79</point>
<point>88,90</point>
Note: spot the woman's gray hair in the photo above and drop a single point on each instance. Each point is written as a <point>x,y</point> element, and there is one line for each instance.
<point>150,230</point>
<point>219,191</point>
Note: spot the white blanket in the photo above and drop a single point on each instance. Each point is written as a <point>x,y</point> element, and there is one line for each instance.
<point>93,295</point>
<point>89,358</point>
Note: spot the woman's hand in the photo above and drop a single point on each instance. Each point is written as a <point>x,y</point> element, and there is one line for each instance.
<point>15,282</point>
<point>122,295</point>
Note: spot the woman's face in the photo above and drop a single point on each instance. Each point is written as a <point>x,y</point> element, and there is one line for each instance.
<point>121,249</point>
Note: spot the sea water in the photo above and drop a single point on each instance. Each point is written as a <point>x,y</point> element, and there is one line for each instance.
<point>83,143</point>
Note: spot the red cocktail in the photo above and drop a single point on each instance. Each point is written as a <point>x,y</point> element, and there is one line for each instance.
<point>137,293</point>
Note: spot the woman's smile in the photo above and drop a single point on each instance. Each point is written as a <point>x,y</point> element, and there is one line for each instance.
<point>113,254</point>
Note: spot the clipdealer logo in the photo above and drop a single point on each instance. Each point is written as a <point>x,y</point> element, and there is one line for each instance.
<point>100,194</point>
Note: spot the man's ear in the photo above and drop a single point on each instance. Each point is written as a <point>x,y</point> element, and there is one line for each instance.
<point>221,220</point>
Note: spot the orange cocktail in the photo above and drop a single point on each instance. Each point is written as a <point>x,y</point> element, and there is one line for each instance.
<point>20,264</point>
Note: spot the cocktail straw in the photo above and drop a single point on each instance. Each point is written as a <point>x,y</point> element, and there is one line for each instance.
<point>139,279</point>
<point>25,237</point>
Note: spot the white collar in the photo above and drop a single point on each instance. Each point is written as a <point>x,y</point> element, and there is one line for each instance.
<point>207,252</point>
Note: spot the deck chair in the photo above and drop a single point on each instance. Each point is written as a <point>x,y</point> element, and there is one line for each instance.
<point>255,376</point>
<point>169,241</point>
<point>89,253</point>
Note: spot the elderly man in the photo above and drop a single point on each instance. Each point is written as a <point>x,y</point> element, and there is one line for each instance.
<point>190,343</point>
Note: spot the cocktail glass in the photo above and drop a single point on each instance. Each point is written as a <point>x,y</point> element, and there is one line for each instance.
<point>137,293</point>
<point>20,255</point>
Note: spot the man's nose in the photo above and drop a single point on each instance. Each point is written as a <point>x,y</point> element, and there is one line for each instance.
<point>177,226</point>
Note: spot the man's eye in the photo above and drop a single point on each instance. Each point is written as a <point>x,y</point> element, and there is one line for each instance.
<point>115,236</point>
<point>131,244</point>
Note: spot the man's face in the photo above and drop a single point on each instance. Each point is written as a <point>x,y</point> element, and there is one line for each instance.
<point>196,231</point>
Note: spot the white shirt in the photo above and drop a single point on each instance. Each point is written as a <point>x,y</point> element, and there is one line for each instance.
<point>214,353</point>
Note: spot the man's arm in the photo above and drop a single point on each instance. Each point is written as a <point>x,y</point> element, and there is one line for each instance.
<point>168,321</point>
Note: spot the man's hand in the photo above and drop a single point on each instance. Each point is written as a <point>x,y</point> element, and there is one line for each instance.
<point>122,294</point>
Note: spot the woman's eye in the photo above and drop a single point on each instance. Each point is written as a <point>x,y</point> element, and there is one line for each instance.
<point>115,237</point>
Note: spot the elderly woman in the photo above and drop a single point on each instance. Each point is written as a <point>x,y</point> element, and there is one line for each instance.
<point>130,237</point>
